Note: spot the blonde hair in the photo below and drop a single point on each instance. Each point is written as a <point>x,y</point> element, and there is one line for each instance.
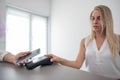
<point>107,28</point>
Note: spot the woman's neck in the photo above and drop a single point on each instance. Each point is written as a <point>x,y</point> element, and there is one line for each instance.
<point>99,35</point>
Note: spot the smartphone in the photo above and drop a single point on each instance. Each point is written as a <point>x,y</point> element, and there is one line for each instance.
<point>30,56</point>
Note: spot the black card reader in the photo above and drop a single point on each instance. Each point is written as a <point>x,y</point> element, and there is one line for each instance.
<point>40,61</point>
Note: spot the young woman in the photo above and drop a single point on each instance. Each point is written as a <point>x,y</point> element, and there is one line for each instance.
<point>100,49</point>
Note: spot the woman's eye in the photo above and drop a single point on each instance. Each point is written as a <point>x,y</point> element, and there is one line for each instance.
<point>95,18</point>
<point>92,18</point>
<point>98,18</point>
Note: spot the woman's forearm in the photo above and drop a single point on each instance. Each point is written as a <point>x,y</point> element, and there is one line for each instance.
<point>70,63</point>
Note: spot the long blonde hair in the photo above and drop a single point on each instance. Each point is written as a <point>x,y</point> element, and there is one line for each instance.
<point>107,28</point>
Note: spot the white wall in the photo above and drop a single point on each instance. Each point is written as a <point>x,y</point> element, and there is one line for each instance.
<point>70,23</point>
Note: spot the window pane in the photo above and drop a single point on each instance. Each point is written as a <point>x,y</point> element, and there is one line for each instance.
<point>39,33</point>
<point>25,31</point>
<point>17,31</point>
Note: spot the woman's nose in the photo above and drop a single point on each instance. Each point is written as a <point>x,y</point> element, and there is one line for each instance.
<point>95,21</point>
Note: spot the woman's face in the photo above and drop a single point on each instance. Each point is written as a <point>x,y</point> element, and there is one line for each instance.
<point>96,22</point>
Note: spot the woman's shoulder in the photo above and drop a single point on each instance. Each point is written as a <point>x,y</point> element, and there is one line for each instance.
<point>86,37</point>
<point>84,40</point>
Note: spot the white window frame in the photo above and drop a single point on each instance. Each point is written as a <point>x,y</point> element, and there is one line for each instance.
<point>47,29</point>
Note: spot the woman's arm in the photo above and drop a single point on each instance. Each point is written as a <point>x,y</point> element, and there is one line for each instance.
<point>71,63</point>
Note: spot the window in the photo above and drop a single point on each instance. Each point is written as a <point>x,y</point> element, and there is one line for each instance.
<point>25,31</point>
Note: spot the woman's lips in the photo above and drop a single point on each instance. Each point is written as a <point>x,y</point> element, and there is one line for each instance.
<point>95,27</point>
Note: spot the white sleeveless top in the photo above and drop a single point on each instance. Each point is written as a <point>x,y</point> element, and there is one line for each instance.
<point>100,61</point>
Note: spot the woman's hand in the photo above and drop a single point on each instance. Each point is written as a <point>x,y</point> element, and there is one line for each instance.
<point>54,58</point>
